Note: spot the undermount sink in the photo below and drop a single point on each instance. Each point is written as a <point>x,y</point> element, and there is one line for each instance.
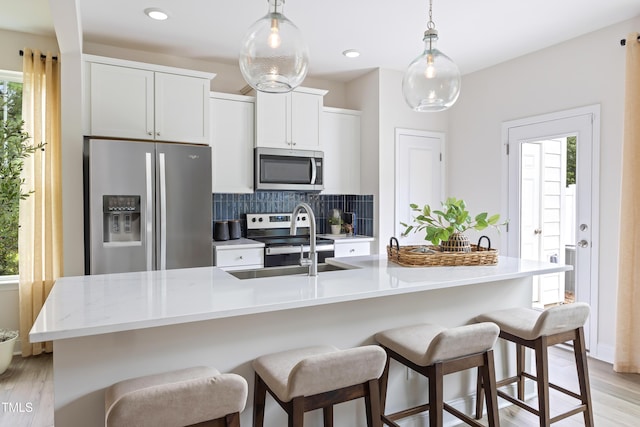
<point>282,271</point>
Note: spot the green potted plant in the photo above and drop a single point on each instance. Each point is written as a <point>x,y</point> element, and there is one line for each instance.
<point>336,224</point>
<point>7,342</point>
<point>444,227</point>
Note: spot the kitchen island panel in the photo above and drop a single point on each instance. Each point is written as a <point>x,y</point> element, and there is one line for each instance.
<point>84,366</point>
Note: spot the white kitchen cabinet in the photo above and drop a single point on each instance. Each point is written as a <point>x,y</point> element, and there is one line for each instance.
<point>289,120</point>
<point>231,120</point>
<point>238,258</point>
<point>126,99</point>
<point>344,248</point>
<point>340,140</point>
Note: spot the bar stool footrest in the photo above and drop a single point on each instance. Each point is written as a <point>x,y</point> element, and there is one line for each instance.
<point>462,416</point>
<point>521,404</point>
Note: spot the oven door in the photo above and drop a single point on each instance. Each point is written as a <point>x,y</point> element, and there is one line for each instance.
<point>290,255</point>
<point>280,169</point>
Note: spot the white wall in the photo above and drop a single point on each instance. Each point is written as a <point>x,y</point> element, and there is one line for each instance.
<point>378,95</point>
<point>363,94</point>
<point>584,71</point>
<point>13,42</point>
<point>395,113</point>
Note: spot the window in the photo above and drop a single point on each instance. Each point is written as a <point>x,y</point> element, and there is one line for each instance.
<point>11,142</point>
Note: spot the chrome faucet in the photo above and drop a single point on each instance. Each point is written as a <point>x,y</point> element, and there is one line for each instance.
<point>312,260</point>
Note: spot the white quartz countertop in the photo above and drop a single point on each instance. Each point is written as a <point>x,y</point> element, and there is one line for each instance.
<point>90,305</point>
<point>345,238</point>
<point>237,244</point>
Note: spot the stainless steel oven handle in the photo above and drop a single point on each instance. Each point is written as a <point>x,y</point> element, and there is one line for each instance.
<point>279,250</point>
<point>313,171</point>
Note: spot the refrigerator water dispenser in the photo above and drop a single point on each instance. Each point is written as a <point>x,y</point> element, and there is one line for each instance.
<point>121,219</point>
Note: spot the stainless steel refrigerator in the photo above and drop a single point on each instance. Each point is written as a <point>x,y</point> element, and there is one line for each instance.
<point>147,206</point>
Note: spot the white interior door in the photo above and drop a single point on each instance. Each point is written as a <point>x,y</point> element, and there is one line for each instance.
<point>418,176</point>
<point>550,130</point>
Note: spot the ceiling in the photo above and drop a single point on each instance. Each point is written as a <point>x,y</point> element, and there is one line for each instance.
<point>475,34</point>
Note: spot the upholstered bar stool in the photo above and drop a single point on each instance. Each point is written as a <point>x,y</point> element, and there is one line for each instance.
<point>193,396</point>
<point>309,378</point>
<point>538,330</point>
<point>434,352</point>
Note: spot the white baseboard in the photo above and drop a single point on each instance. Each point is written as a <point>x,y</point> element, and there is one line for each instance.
<point>605,352</point>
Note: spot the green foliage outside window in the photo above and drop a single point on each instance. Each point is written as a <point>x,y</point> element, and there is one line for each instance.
<point>13,150</point>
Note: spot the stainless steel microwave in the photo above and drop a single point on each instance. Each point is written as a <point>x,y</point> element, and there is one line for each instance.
<point>282,169</point>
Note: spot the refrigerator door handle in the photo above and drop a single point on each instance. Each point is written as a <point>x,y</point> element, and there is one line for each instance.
<point>163,213</point>
<point>149,212</point>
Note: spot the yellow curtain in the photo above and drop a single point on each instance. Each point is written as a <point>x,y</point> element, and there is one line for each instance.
<point>40,234</point>
<point>627,354</point>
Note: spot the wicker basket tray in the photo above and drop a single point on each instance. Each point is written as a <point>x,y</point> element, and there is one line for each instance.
<point>405,257</point>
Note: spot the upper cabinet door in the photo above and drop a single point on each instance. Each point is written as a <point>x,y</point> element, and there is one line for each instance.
<point>121,102</point>
<point>289,120</point>
<point>232,140</point>
<point>182,108</point>
<point>340,138</point>
<point>133,100</point>
<point>272,120</point>
<point>305,120</point>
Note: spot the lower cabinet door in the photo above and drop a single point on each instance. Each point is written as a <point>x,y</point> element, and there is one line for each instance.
<point>352,249</point>
<point>238,259</point>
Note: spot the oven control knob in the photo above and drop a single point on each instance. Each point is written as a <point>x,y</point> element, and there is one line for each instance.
<point>253,220</point>
<point>304,218</point>
<point>259,219</point>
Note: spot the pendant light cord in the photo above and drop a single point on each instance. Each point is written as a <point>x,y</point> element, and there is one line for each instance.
<point>430,24</point>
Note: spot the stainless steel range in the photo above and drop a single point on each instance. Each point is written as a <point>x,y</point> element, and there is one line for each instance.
<point>281,248</point>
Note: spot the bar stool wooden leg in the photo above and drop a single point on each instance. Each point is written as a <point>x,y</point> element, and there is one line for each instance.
<point>542,374</point>
<point>520,357</point>
<point>327,415</point>
<point>296,418</point>
<point>259,398</point>
<point>436,392</point>
<point>580,353</point>
<point>488,381</point>
<point>233,420</point>
<point>479,393</point>
<point>383,382</point>
<point>372,405</point>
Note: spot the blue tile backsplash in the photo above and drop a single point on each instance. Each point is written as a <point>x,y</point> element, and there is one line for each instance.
<point>235,206</point>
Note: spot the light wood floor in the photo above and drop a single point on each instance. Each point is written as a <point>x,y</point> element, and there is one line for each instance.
<point>26,392</point>
<point>616,397</point>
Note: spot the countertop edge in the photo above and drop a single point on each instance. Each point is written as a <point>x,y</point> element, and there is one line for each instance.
<point>40,336</point>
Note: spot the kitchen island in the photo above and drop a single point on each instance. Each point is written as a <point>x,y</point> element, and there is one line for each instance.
<point>107,328</point>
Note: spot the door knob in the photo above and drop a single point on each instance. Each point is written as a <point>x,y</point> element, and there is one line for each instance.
<point>537,231</point>
<point>583,243</point>
<point>583,227</point>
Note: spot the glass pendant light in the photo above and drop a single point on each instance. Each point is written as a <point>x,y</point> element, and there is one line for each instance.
<point>432,81</point>
<point>274,57</point>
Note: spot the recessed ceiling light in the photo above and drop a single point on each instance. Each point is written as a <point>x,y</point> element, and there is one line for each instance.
<point>351,53</point>
<point>155,13</point>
